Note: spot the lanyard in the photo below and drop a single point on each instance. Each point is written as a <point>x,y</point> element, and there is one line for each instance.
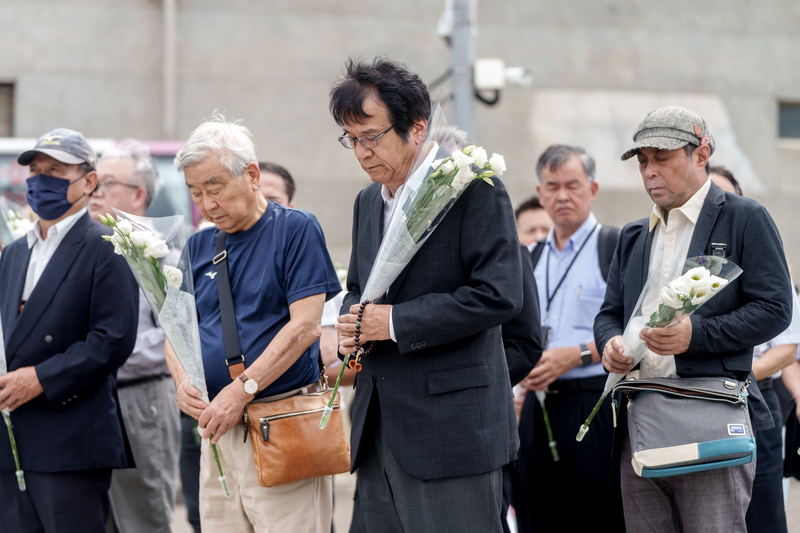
<point>547,269</point>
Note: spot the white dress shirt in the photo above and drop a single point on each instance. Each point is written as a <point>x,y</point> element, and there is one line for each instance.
<point>673,235</point>
<point>42,250</point>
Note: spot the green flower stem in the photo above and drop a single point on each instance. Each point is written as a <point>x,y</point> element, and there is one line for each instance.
<point>550,439</point>
<point>20,474</point>
<point>219,468</point>
<point>585,427</point>
<point>327,412</point>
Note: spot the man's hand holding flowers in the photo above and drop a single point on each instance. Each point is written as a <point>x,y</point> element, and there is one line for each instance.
<point>668,341</point>
<point>224,411</point>
<point>554,363</point>
<point>613,360</point>
<point>374,326</point>
<point>18,387</point>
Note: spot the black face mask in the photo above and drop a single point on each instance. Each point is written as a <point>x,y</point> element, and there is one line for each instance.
<point>47,195</point>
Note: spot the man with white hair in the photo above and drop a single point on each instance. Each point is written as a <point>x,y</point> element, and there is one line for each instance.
<point>280,276</point>
<point>142,499</point>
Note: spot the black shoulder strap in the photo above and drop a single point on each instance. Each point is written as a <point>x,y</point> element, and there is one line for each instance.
<point>230,336</point>
<point>606,243</point>
<point>536,253</point>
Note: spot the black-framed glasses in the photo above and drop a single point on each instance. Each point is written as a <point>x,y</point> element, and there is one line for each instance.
<point>367,141</point>
<point>108,183</point>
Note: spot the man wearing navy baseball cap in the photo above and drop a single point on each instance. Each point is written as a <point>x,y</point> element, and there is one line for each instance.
<point>64,340</point>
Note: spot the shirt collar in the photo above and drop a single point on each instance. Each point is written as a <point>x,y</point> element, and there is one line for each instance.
<point>59,228</point>
<point>577,238</point>
<point>691,209</point>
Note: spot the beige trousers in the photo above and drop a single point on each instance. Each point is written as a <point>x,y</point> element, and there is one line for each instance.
<point>304,506</point>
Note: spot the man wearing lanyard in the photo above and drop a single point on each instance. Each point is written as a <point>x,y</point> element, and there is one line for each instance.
<point>569,273</point>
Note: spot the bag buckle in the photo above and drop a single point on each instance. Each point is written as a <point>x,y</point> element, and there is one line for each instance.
<point>235,360</point>
<point>220,257</point>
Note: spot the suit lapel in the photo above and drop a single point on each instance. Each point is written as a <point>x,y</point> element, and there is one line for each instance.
<point>706,220</point>
<point>57,268</point>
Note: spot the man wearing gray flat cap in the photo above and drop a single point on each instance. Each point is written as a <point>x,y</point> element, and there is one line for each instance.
<point>692,216</point>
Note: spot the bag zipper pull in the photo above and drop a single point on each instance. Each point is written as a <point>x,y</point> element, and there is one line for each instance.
<point>246,419</point>
<point>265,430</point>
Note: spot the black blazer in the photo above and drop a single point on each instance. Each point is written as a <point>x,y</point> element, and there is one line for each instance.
<point>444,390</point>
<point>77,328</point>
<point>753,309</point>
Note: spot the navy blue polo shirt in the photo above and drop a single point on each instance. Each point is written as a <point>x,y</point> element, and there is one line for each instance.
<point>281,259</point>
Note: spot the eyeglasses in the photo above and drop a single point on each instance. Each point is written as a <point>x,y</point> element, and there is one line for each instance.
<point>108,183</point>
<point>367,141</point>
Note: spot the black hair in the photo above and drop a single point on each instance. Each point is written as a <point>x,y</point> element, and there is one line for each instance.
<point>402,92</point>
<point>728,175</point>
<point>274,168</point>
<point>528,205</point>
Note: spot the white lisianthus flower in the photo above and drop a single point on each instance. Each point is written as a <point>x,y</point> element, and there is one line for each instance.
<point>436,163</point>
<point>668,297</point>
<point>174,277</point>
<point>681,286</point>
<point>463,177</point>
<point>480,157</point>
<point>125,227</point>
<point>141,238</point>
<point>448,167</point>
<point>697,273</point>
<point>497,164</point>
<point>702,295</point>
<point>115,240</point>
<point>717,283</point>
<point>156,248</point>
<point>462,160</point>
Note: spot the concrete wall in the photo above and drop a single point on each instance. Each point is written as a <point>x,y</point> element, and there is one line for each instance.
<point>598,66</point>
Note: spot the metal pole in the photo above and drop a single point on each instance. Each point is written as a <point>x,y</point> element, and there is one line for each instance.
<point>463,57</point>
<point>169,85</point>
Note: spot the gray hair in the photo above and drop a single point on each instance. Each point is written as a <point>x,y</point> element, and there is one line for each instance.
<point>230,141</point>
<point>558,154</point>
<point>144,171</point>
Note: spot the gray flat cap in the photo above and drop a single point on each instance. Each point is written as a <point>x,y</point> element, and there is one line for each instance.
<point>670,128</point>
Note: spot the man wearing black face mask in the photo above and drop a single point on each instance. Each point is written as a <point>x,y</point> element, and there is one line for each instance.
<point>64,337</point>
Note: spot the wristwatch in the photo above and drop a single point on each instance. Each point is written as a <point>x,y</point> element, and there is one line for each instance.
<point>586,355</point>
<point>250,385</point>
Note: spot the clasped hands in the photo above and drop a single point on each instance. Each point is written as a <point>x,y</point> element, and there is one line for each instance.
<point>374,326</point>
<point>661,341</point>
<point>218,417</point>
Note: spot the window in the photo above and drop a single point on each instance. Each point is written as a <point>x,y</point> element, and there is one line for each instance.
<point>789,121</point>
<point>6,109</point>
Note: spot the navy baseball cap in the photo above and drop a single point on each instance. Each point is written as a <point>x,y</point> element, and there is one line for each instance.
<point>62,144</point>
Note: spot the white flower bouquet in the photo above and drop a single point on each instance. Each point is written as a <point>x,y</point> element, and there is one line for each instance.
<point>7,416</point>
<point>703,277</point>
<point>440,173</point>
<point>155,251</point>
<point>15,223</point>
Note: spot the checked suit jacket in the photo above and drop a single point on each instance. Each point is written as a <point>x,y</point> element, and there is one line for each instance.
<point>754,308</point>
<point>77,327</point>
<point>443,388</point>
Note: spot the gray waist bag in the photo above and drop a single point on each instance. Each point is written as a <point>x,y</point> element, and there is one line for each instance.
<point>684,425</point>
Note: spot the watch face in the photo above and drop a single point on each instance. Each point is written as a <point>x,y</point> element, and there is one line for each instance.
<point>250,386</point>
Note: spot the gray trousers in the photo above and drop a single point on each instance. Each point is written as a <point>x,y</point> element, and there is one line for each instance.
<point>142,498</point>
<point>392,501</point>
<point>714,501</point>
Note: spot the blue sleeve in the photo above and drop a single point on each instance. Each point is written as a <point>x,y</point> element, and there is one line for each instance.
<point>308,267</point>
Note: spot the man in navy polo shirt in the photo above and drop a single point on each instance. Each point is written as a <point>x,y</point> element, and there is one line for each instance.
<point>280,276</point>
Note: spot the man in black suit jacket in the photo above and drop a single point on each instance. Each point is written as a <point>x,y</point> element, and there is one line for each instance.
<point>69,313</point>
<point>433,419</point>
<point>692,216</point>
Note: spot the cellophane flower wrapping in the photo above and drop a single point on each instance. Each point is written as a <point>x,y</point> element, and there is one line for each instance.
<point>14,222</point>
<point>662,305</point>
<point>445,170</point>
<point>168,286</point>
